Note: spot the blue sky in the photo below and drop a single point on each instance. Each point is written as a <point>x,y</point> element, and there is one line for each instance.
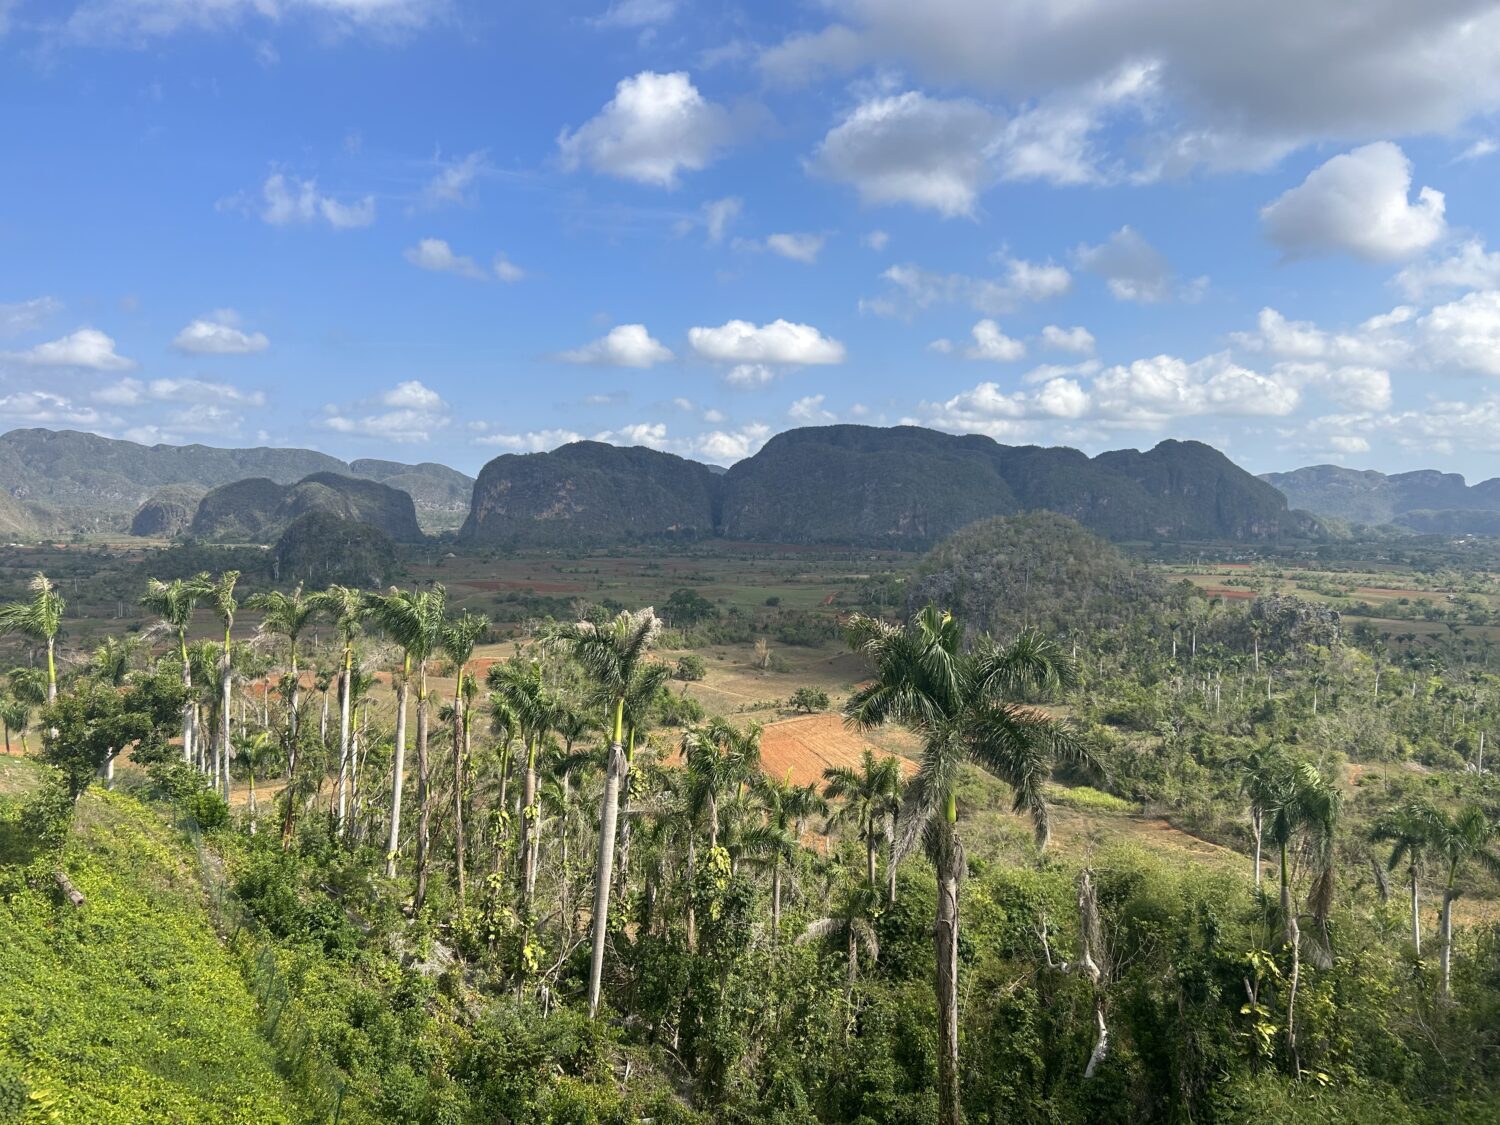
<point>439,230</point>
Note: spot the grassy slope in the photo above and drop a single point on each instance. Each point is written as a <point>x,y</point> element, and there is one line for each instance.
<point>128,1009</point>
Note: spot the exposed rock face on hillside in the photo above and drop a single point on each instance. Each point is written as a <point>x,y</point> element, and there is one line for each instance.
<point>319,549</point>
<point>258,510</point>
<point>1425,500</point>
<point>92,483</point>
<point>167,513</point>
<point>589,494</point>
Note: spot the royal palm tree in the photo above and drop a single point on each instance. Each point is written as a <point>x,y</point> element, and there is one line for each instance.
<point>174,602</point>
<point>412,619</point>
<point>871,799</point>
<point>346,608</point>
<point>458,640</point>
<point>787,808</point>
<point>609,654</point>
<point>849,926</point>
<point>962,703</point>
<point>287,616</point>
<point>1407,830</point>
<point>521,685</point>
<point>1258,773</point>
<point>113,662</point>
<point>254,751</point>
<point>645,687</point>
<point>221,599</point>
<point>15,716</point>
<point>1468,836</point>
<point>40,619</point>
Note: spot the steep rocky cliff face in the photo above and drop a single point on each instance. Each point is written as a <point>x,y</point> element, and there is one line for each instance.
<point>259,510</point>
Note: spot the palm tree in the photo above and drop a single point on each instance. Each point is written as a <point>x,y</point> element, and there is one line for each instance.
<point>787,808</point>
<point>254,750</point>
<point>1407,830</point>
<point>287,616</point>
<point>39,619</point>
<point>221,599</point>
<point>15,715</point>
<point>961,703</point>
<point>609,654</point>
<point>645,686</point>
<point>173,602</point>
<point>1301,807</point>
<point>1257,782</point>
<point>849,925</point>
<point>1466,836</point>
<point>871,797</point>
<point>112,663</point>
<point>346,608</point>
<point>414,621</point>
<point>458,640</point>
<point>521,686</point>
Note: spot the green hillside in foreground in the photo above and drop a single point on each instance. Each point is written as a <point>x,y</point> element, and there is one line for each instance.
<point>128,1009</point>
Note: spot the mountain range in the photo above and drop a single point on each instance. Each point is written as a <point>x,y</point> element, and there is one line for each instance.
<point>1425,501</point>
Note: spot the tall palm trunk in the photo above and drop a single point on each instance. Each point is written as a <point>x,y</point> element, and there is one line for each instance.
<point>1445,936</point>
<point>51,671</point>
<point>870,877</point>
<point>1292,932</point>
<point>1256,827</point>
<point>458,787</point>
<point>346,696</point>
<point>187,705</point>
<point>609,815</point>
<point>890,862</point>
<point>775,897</point>
<point>424,789</point>
<point>398,775</point>
<point>226,687</point>
<point>528,828</point>
<point>945,940</point>
<point>1416,913</point>
<point>624,866</point>
<point>692,873</point>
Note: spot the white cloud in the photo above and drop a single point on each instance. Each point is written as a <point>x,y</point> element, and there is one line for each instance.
<point>533,441</point>
<point>409,412</point>
<point>1466,333</point>
<point>728,446</point>
<point>1375,342</point>
<point>992,344</point>
<point>1153,391</point>
<point>1133,269</point>
<point>914,149</point>
<point>1485,146</point>
<point>1238,86</point>
<point>219,334</point>
<point>942,346</point>
<point>653,435</point>
<point>798,247</point>
<point>779,342</point>
<point>1354,387</point>
<point>637,13</point>
<point>201,391</point>
<point>27,316</point>
<point>287,200</point>
<point>749,375</point>
<point>87,347</point>
<point>43,408</point>
<point>656,127</point>
<point>1357,203</point>
<point>1348,443</point>
<point>436,255</point>
<point>809,410</point>
<point>1470,267</point>
<point>135,22</point>
<point>1077,339</point>
<point>916,288</point>
<point>876,240</point>
<point>625,345</point>
<point>507,271</point>
<point>453,181</point>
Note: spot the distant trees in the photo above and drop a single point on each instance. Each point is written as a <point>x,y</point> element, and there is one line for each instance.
<point>809,699</point>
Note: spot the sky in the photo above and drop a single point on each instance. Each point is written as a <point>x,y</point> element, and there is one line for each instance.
<point>446,230</point>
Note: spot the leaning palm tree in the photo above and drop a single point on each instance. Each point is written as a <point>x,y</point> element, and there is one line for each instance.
<point>1408,830</point>
<point>1468,836</point>
<point>346,608</point>
<point>609,654</point>
<point>40,619</point>
<point>459,637</point>
<point>871,799</point>
<point>174,602</point>
<point>413,620</point>
<point>222,600</point>
<point>961,702</point>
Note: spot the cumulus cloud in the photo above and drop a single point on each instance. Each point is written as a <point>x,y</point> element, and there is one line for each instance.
<point>136,392</point>
<point>1133,269</point>
<point>798,247</point>
<point>749,375</point>
<point>86,348</point>
<point>1238,90</point>
<point>1376,341</point>
<point>219,334</point>
<point>1469,267</point>
<point>27,316</point>
<point>779,342</point>
<point>43,408</point>
<point>992,344</point>
<point>408,413</point>
<point>287,201</point>
<point>910,148</point>
<point>914,288</point>
<point>1357,203</point>
<point>1465,334</point>
<point>656,127</point>
<point>1077,339</point>
<point>532,441</point>
<point>809,411</point>
<point>625,345</point>
<point>436,255</point>
<point>725,447</point>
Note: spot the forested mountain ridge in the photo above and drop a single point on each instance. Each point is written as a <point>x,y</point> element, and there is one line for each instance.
<point>87,482</point>
<point>259,510</point>
<point>902,486</point>
<point>1423,500</point>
